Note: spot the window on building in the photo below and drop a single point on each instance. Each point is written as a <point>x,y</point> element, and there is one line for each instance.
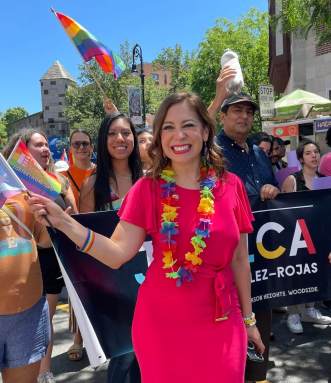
<point>155,76</point>
<point>53,82</point>
<point>165,79</point>
<point>41,83</point>
<point>51,120</point>
<point>51,126</point>
<point>323,49</point>
<point>329,94</point>
<point>46,91</point>
<point>61,95</point>
<point>60,114</point>
<point>46,107</point>
<point>60,102</point>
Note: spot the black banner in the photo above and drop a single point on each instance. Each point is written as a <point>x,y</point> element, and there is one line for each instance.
<point>288,254</point>
<point>108,295</point>
<point>289,249</point>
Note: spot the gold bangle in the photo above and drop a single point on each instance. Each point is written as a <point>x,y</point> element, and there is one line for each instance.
<point>250,320</point>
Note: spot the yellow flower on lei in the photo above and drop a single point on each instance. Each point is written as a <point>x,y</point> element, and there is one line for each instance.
<point>206,205</point>
<point>193,258</point>
<point>197,248</point>
<point>169,213</point>
<point>168,260</point>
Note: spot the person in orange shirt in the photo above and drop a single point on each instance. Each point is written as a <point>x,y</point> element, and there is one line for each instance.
<point>81,149</point>
<point>80,168</point>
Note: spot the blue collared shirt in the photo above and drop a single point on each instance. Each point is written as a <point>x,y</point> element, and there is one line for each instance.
<point>254,168</point>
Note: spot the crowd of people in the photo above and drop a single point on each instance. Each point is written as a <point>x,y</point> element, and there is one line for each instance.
<point>188,189</point>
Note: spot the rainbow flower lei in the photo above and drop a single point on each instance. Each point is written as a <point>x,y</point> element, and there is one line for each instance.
<point>169,225</point>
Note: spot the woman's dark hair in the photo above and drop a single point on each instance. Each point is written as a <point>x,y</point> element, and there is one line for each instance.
<point>105,169</point>
<point>80,131</point>
<point>328,137</point>
<point>145,129</point>
<point>301,147</point>
<point>155,151</point>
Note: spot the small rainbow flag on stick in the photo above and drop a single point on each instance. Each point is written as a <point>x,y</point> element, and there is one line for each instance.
<point>10,184</point>
<point>64,156</point>
<point>89,47</point>
<point>32,175</point>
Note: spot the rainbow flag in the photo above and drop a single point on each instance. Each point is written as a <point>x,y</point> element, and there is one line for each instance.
<point>89,47</point>
<point>10,184</point>
<point>64,156</point>
<point>72,160</point>
<point>32,175</point>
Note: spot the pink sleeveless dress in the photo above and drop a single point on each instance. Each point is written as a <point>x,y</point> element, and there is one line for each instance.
<point>176,335</point>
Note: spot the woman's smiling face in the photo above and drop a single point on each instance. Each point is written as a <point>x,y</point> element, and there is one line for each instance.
<point>120,142</point>
<point>182,134</point>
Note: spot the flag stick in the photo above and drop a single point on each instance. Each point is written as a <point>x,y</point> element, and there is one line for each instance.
<point>87,67</point>
<point>44,216</point>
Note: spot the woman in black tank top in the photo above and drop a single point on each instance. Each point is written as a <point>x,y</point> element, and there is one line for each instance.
<point>308,153</point>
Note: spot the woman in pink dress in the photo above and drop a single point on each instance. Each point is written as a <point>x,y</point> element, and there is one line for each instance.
<point>191,312</point>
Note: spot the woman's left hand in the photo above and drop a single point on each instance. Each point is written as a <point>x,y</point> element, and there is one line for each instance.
<point>254,336</point>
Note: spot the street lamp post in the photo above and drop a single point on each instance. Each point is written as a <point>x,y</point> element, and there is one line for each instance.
<point>137,53</point>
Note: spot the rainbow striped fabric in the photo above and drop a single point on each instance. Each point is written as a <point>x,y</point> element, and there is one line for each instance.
<point>89,47</point>
<point>33,176</point>
<point>10,184</point>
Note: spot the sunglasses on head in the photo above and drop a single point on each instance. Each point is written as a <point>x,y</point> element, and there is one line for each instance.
<point>78,144</point>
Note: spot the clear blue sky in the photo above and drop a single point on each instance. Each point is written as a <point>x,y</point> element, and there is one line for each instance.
<point>32,38</point>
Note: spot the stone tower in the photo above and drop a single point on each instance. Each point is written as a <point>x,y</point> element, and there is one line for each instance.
<point>54,85</point>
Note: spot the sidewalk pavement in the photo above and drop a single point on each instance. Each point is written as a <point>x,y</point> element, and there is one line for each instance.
<point>302,358</point>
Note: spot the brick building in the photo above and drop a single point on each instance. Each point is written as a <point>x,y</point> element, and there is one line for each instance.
<point>298,62</point>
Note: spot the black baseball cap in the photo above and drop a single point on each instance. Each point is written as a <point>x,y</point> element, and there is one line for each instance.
<point>236,99</point>
<point>282,142</point>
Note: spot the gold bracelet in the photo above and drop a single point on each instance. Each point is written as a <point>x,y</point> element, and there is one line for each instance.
<point>250,320</point>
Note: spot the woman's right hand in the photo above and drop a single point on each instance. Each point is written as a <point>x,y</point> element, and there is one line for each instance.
<point>254,336</point>
<point>47,211</point>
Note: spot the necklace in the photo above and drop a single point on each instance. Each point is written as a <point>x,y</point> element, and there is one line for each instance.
<point>170,228</point>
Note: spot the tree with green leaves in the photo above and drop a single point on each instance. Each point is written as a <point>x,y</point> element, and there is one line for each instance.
<point>179,65</point>
<point>302,16</point>
<point>249,37</point>
<point>3,134</point>
<point>14,114</point>
<point>9,117</point>
<point>84,103</point>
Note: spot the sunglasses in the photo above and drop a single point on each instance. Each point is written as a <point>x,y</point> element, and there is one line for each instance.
<point>78,144</point>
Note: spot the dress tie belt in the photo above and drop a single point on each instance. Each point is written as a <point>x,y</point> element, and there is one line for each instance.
<point>223,286</point>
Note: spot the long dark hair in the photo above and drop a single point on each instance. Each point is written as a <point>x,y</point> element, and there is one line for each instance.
<point>105,169</point>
